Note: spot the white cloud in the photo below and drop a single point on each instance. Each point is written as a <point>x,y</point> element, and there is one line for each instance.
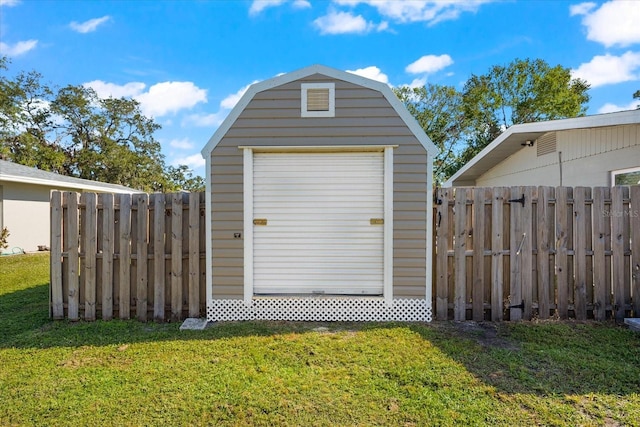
<point>259,5</point>
<point>88,26</point>
<point>581,9</point>
<point>230,101</point>
<point>429,64</point>
<point>612,108</point>
<point>17,49</point>
<point>419,82</point>
<point>372,73</point>
<point>609,69</point>
<point>170,97</point>
<point>431,11</point>
<point>107,90</point>
<point>161,98</point>
<point>613,23</point>
<point>9,3</point>
<point>301,4</point>
<point>182,144</point>
<point>193,161</point>
<point>345,22</point>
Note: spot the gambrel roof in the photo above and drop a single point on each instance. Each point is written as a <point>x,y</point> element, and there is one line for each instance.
<point>333,73</point>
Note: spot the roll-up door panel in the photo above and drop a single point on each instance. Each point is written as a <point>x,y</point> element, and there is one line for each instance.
<point>319,223</point>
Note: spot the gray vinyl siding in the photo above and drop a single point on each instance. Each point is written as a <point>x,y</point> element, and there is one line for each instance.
<point>588,157</point>
<point>362,117</point>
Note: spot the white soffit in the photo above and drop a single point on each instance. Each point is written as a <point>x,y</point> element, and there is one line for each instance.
<point>509,141</point>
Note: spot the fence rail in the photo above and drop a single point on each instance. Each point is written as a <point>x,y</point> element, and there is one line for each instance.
<point>522,252</point>
<point>123,255</point>
<point>503,253</point>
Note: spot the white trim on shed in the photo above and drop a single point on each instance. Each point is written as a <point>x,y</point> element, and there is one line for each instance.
<point>360,303</point>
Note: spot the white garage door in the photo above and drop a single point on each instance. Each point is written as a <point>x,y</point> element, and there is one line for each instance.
<point>322,232</point>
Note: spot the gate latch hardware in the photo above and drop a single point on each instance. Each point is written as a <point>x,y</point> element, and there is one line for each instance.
<point>520,306</point>
<point>260,221</point>
<point>376,221</point>
<point>520,200</point>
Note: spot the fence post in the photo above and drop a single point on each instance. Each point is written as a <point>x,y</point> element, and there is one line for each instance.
<point>125,256</point>
<point>142,242</point>
<point>194,255</point>
<point>158,256</point>
<point>545,282</point>
<point>90,247</point>
<point>478,254</point>
<point>497,258</point>
<point>562,263</point>
<point>442,278</point>
<point>71,248</point>
<point>107,255</point>
<point>176,257</point>
<point>56,310</point>
<point>461,232</point>
<point>580,194</point>
<point>620,277</point>
<point>634,216</point>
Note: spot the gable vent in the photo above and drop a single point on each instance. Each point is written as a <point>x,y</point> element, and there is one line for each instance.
<point>318,100</point>
<point>546,144</point>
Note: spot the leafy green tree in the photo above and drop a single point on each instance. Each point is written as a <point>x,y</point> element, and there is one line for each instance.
<point>181,177</point>
<point>636,95</point>
<point>438,110</point>
<point>523,91</point>
<point>74,132</point>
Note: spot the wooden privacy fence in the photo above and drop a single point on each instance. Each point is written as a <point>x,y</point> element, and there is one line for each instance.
<point>114,255</point>
<point>523,252</point>
<point>499,254</point>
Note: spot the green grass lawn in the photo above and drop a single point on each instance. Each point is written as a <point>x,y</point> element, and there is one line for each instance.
<point>282,373</point>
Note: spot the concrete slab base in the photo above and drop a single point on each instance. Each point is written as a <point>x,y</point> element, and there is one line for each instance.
<point>193,324</point>
<point>634,324</point>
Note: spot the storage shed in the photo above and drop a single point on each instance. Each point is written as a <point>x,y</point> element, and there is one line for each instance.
<point>319,203</point>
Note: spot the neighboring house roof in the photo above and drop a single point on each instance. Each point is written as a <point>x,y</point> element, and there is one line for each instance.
<point>400,109</point>
<point>512,139</point>
<point>13,172</point>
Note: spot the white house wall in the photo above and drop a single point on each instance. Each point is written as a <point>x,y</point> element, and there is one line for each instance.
<point>588,157</point>
<point>25,211</point>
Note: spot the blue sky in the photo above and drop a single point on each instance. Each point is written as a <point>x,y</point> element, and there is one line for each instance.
<point>189,61</point>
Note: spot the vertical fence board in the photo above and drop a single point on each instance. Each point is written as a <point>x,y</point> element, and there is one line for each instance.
<point>107,255</point>
<point>544,247</point>
<point>634,210</point>
<point>194,255</point>
<point>442,249</point>
<point>125,256</point>
<point>56,292</point>
<point>617,247</point>
<point>596,242</point>
<point>517,240</point>
<point>158,256</point>
<point>176,257</point>
<point>72,249</point>
<point>526,252</point>
<point>600,235</point>
<point>142,243</point>
<point>478,254</point>
<point>562,261</point>
<point>90,250</point>
<point>460,266</point>
<point>497,257</point>
<point>580,252</point>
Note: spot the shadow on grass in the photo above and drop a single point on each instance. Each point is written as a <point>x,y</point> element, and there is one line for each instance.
<point>550,358</point>
<point>542,359</point>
